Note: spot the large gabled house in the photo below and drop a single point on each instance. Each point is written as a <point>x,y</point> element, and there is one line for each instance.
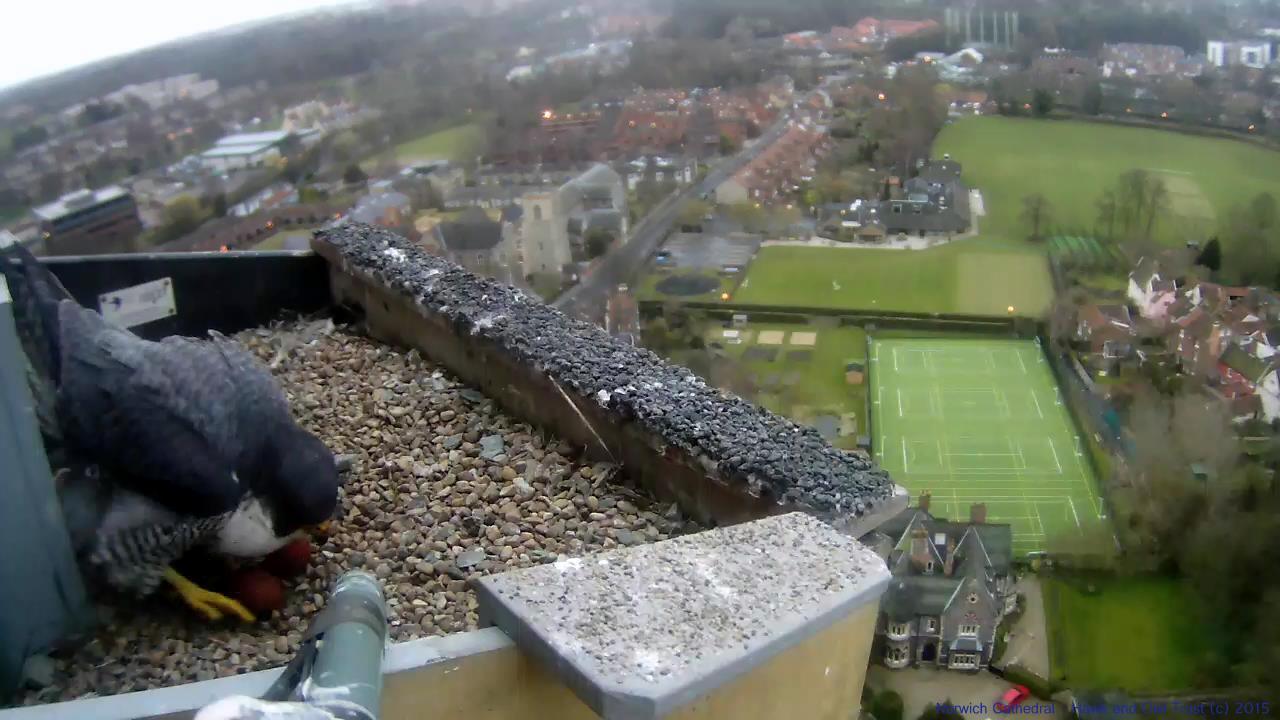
<point>951,587</point>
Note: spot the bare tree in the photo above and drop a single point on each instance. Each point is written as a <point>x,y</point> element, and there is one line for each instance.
<point>1107,213</point>
<point>1202,430</point>
<point>1157,201</point>
<point>1062,316</point>
<point>1036,212</point>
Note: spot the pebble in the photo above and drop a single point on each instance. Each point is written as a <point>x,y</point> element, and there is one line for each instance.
<point>398,519</point>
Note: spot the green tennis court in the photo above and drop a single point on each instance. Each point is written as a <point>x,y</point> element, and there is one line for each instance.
<point>982,421</point>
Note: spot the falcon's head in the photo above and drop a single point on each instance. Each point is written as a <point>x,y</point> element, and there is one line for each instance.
<point>299,481</point>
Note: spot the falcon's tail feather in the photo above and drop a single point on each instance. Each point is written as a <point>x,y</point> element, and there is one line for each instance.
<point>36,293</point>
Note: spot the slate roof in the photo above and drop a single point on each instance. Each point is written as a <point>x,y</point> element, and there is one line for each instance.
<point>908,597</point>
<point>472,231</point>
<point>997,538</point>
<point>1250,366</point>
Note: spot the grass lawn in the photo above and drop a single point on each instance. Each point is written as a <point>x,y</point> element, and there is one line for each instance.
<point>982,276</point>
<point>982,421</point>
<point>1072,162</point>
<point>277,241</point>
<point>1136,634</point>
<point>647,286</point>
<point>804,382</point>
<point>462,142</point>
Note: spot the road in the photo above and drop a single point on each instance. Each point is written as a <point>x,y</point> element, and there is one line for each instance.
<point>587,298</point>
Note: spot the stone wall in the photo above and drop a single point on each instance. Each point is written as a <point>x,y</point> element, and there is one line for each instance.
<point>722,459</point>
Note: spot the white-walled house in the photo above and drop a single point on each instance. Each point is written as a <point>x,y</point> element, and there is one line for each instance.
<point>1149,292</point>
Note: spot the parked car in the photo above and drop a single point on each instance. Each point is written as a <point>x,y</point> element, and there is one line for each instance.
<point>1012,697</point>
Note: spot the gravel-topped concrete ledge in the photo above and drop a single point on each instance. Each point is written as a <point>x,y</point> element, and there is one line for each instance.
<point>724,459</point>
<point>444,487</point>
<point>641,632</point>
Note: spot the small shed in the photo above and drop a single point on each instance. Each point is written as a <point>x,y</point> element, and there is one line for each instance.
<point>855,373</point>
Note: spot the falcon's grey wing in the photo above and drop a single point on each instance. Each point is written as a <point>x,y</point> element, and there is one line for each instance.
<point>146,416</point>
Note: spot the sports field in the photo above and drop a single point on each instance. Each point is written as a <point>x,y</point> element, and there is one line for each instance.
<point>982,421</point>
<point>980,276</point>
<point>458,143</point>
<point>1071,163</point>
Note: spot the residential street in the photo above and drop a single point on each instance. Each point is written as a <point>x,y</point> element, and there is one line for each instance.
<point>587,298</point>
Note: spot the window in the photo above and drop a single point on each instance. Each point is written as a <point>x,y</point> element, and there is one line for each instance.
<point>931,624</point>
<point>928,567</point>
<point>898,629</point>
<point>537,212</point>
<point>970,629</point>
<point>973,598</point>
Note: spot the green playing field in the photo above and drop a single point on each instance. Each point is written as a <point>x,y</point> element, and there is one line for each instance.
<point>982,421</point>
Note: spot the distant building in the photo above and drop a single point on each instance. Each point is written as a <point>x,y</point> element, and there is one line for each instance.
<point>388,209</point>
<point>1250,53</point>
<point>166,91</point>
<point>90,222</point>
<point>952,585</point>
<point>1141,59</point>
<point>544,234</point>
<point>479,243</point>
<point>250,150</point>
<point>550,217</point>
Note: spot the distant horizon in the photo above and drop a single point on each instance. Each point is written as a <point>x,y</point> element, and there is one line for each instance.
<point>32,53</point>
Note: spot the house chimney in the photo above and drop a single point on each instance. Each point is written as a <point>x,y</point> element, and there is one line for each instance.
<point>919,548</point>
<point>978,513</point>
<point>923,502</point>
<point>949,565</point>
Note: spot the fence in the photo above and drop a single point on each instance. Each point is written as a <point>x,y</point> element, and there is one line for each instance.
<point>986,324</point>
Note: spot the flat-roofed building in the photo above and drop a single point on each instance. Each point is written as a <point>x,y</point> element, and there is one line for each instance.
<point>89,222</point>
<point>251,150</point>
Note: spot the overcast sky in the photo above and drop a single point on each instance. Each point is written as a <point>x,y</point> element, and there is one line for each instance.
<point>45,36</point>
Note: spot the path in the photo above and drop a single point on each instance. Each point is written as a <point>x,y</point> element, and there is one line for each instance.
<point>1028,644</point>
<point>922,687</point>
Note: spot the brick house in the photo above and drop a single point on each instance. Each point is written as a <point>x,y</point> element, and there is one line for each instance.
<point>951,587</point>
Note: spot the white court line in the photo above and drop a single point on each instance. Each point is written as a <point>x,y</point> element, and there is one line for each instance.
<point>895,359</point>
<point>904,454</point>
<point>1054,450</point>
<point>900,403</point>
<point>1020,363</point>
<point>1073,510</point>
<point>1036,400</point>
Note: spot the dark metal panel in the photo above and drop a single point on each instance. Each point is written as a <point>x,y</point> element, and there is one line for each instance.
<point>227,292</point>
<point>42,597</point>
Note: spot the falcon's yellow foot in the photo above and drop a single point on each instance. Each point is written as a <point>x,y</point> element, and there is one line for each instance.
<point>206,602</point>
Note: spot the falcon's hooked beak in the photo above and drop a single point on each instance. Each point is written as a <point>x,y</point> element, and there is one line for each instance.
<point>320,530</point>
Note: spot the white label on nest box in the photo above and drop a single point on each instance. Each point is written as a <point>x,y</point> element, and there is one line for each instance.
<point>133,306</point>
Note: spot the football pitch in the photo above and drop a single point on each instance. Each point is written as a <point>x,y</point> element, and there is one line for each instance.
<point>982,421</point>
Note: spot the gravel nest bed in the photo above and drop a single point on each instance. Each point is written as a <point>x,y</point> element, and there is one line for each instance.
<point>444,486</point>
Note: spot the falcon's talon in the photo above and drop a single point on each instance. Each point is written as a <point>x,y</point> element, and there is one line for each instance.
<point>206,602</point>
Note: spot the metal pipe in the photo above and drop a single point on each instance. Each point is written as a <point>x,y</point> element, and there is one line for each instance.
<point>348,664</point>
